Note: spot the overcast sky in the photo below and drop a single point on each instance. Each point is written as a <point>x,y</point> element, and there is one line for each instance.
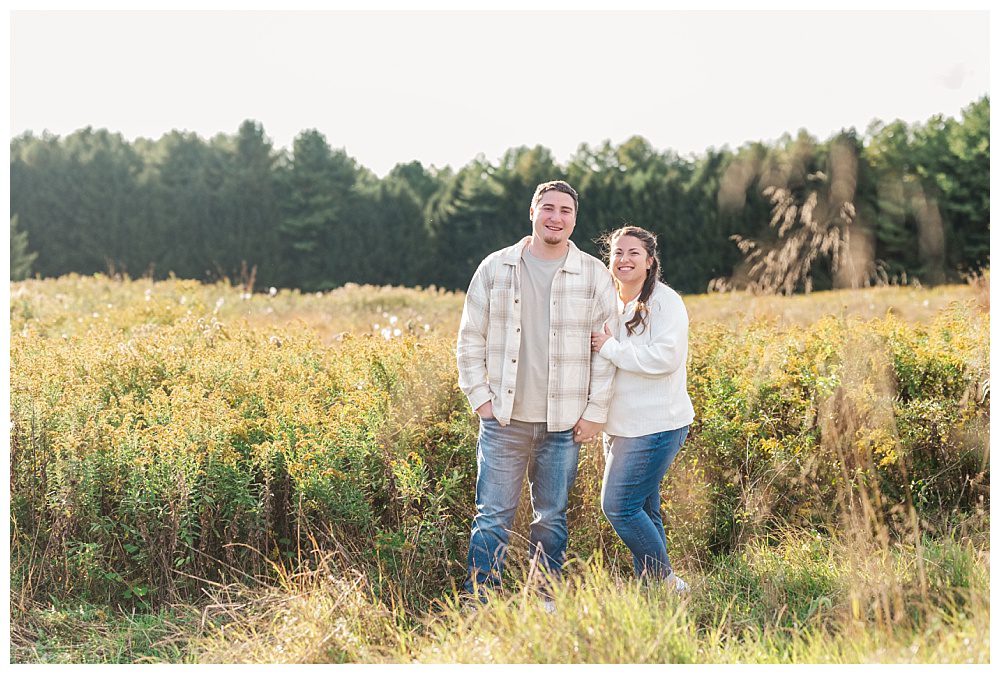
<point>442,87</point>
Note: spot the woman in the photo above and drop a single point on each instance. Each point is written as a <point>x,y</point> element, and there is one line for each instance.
<point>650,410</point>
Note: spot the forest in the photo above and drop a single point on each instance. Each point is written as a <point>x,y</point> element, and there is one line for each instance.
<point>237,208</point>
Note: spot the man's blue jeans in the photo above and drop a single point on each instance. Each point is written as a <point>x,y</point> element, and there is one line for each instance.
<point>630,495</point>
<point>504,455</point>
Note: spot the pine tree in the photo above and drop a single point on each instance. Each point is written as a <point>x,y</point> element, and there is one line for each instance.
<point>21,258</point>
<point>321,234</point>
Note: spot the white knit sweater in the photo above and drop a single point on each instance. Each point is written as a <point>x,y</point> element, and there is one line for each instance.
<point>650,388</point>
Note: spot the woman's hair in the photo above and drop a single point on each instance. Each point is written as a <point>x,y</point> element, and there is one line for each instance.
<point>648,239</point>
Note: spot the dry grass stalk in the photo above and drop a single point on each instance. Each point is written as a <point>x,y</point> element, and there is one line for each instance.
<point>811,224</point>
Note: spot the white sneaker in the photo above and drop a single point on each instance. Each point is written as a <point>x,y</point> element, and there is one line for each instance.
<point>679,586</point>
<point>469,605</point>
<point>549,605</point>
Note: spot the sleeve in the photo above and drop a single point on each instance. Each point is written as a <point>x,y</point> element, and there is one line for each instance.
<point>602,371</point>
<point>470,350</point>
<point>668,345</point>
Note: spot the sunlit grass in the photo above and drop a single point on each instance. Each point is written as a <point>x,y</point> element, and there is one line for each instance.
<point>202,475</point>
<point>73,304</point>
<point>790,603</point>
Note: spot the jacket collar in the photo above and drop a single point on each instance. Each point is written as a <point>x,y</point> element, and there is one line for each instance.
<point>574,259</point>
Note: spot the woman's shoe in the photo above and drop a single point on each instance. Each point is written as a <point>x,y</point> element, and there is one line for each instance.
<point>675,583</point>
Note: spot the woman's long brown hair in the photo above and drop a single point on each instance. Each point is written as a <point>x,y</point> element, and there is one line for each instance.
<point>641,317</point>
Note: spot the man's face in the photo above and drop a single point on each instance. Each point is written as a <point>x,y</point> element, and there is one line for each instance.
<point>553,218</point>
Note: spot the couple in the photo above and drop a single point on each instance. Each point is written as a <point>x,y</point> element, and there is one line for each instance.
<point>549,355</point>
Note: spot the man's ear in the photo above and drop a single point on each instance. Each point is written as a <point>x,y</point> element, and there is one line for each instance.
<point>531,214</point>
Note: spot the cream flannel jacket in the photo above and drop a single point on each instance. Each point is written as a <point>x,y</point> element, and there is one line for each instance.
<point>489,337</point>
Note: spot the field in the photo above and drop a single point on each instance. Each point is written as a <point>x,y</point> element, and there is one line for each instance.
<point>199,474</point>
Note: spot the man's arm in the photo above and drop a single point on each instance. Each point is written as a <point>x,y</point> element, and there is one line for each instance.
<point>471,348</point>
<point>602,371</point>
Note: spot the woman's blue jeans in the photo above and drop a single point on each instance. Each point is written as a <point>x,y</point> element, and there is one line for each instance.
<point>630,495</point>
<point>504,455</point>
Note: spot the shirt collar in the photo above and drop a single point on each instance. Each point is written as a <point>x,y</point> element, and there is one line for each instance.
<point>626,307</point>
<point>574,258</point>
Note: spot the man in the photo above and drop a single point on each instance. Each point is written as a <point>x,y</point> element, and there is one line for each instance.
<point>525,364</point>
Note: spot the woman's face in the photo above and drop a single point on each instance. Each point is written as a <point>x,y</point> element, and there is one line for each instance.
<point>629,260</point>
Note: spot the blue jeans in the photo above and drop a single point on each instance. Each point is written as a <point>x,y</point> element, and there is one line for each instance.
<point>504,454</point>
<point>630,495</point>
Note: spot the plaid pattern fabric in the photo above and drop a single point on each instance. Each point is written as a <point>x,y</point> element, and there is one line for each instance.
<point>489,337</point>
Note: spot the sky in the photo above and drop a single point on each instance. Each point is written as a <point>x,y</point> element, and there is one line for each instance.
<point>443,87</point>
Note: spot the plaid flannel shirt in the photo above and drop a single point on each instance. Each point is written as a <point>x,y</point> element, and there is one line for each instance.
<point>489,337</point>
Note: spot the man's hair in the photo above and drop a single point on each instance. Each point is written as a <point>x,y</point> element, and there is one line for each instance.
<point>558,186</point>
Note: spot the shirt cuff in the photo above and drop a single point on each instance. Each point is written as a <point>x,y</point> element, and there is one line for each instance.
<point>609,348</point>
<point>480,397</point>
<point>594,414</point>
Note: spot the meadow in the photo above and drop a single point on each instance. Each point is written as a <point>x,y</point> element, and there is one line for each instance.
<point>202,474</point>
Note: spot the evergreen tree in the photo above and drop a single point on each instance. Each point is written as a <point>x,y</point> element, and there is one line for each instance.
<point>184,177</point>
<point>399,226</point>
<point>251,194</point>
<point>953,162</point>
<point>311,218</point>
<point>39,184</point>
<point>322,238</point>
<point>889,157</point>
<point>21,258</point>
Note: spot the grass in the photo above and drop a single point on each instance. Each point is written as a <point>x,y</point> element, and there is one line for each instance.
<point>797,600</point>
<point>83,633</point>
<point>793,558</point>
<point>68,305</point>
<point>784,605</point>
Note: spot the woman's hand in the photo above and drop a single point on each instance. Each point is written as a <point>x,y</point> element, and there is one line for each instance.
<point>597,339</point>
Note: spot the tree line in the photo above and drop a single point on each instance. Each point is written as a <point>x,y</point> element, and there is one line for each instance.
<point>237,207</point>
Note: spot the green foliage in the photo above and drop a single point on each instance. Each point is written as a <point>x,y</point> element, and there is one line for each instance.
<point>171,439</point>
<point>320,234</point>
<point>167,434</point>
<point>312,218</point>
<point>84,633</point>
<point>185,450</point>
<point>790,602</point>
<point>932,186</point>
<point>21,258</point>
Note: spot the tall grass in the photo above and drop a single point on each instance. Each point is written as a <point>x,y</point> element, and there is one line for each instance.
<point>794,602</point>
<point>308,461</point>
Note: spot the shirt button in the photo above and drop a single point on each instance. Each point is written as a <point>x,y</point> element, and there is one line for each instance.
<point>518,330</point>
<point>516,300</point>
<point>510,391</point>
<point>513,360</point>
